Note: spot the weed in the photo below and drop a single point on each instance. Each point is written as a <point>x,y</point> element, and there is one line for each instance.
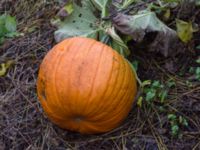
<point>154,93</point>
<point>8,27</point>
<point>195,70</point>
<point>175,123</point>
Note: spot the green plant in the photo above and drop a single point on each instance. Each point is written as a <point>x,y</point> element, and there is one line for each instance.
<point>155,91</point>
<point>196,70</point>
<point>8,26</point>
<point>175,123</point>
<point>155,94</point>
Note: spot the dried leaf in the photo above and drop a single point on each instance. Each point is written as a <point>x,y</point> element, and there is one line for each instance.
<point>4,67</point>
<point>145,22</point>
<point>138,25</point>
<point>139,102</point>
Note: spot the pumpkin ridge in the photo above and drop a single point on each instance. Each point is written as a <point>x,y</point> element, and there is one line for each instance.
<point>54,82</point>
<point>124,96</point>
<point>122,93</point>
<point>71,109</point>
<point>92,113</point>
<point>96,111</point>
<point>115,115</point>
<point>111,123</point>
<point>102,104</point>
<point>89,50</point>
<point>95,76</point>
<point>52,101</point>
<point>69,81</point>
<point>132,95</point>
<point>110,75</point>
<point>122,81</point>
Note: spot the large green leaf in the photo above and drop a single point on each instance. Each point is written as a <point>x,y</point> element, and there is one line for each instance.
<point>81,22</point>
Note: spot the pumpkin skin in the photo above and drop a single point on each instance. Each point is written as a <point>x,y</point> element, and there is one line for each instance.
<point>85,86</point>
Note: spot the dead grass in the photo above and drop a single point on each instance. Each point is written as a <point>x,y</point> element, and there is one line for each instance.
<point>24,126</point>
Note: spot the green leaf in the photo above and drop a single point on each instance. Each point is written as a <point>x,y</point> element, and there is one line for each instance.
<point>12,34</point>
<point>171,117</point>
<point>162,109</point>
<point>10,23</point>
<point>197,73</point>
<point>198,61</point>
<point>183,121</point>
<point>156,84</point>
<point>163,95</point>
<point>175,130</point>
<point>3,29</point>
<point>150,95</point>
<point>81,22</point>
<point>171,84</point>
<point>2,39</point>
<point>197,70</point>
<point>184,30</point>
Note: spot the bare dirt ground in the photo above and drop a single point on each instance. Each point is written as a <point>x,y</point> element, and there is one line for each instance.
<point>24,126</point>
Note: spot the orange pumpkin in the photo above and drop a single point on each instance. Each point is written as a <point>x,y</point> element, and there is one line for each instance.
<point>86,86</point>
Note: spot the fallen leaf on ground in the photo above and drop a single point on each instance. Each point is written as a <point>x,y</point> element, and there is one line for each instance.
<point>4,67</point>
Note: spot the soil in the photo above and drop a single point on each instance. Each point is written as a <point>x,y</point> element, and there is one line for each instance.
<point>23,124</point>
